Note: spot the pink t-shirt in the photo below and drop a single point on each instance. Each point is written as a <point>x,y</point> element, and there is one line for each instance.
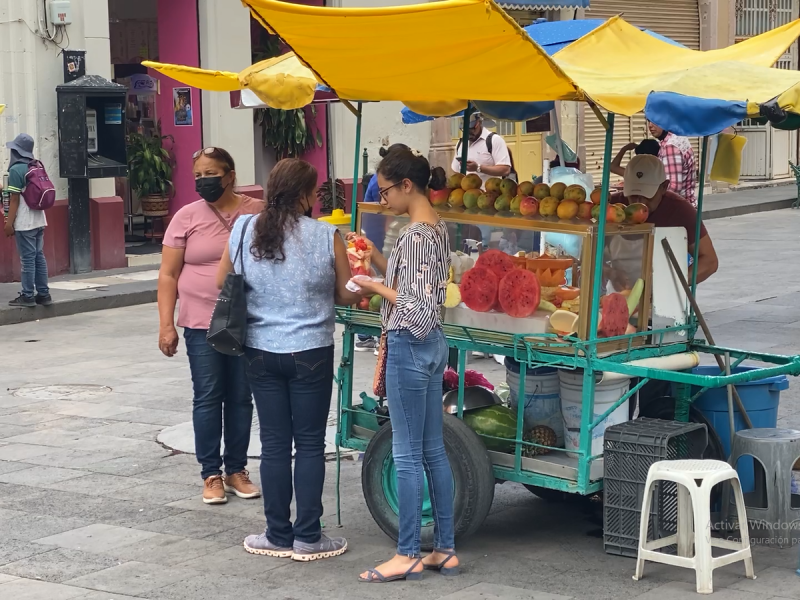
<point>197,230</point>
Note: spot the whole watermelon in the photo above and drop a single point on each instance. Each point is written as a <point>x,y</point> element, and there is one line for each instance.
<point>499,421</point>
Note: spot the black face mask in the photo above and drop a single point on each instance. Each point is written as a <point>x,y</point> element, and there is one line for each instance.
<point>309,212</point>
<point>209,188</point>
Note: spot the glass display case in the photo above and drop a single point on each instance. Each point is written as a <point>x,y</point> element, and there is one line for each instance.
<point>560,253</point>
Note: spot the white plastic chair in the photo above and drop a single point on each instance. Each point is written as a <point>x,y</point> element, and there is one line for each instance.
<point>694,479</point>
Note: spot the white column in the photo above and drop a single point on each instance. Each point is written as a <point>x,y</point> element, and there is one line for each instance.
<point>98,62</point>
<point>225,45</point>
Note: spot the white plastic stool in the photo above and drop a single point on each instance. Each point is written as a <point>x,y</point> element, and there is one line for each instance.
<point>694,479</point>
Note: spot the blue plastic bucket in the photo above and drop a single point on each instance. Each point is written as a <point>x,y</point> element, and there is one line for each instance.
<point>760,399</point>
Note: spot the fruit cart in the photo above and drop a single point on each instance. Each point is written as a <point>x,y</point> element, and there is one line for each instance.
<point>634,333</point>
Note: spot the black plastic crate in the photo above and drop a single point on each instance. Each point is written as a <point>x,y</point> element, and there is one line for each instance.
<point>629,449</point>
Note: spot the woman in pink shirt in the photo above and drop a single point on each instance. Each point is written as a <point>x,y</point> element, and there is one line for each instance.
<point>193,245</point>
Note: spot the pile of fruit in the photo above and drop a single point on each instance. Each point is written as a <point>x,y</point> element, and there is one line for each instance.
<point>558,200</point>
<point>616,309</point>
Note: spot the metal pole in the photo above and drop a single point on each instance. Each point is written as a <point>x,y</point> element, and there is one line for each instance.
<point>597,281</point>
<point>353,210</point>
<point>703,159</point>
<point>731,420</point>
<point>465,139</point>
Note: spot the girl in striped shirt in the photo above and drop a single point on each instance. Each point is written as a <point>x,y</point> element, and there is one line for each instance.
<point>416,278</point>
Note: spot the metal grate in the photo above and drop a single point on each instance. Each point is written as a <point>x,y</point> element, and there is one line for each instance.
<point>630,449</point>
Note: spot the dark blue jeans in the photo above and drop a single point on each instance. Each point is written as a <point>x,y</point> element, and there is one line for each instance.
<point>414,371</point>
<point>293,398</point>
<point>221,393</point>
<point>30,246</point>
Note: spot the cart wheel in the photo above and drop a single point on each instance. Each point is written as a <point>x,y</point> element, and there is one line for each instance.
<point>664,408</point>
<point>473,481</point>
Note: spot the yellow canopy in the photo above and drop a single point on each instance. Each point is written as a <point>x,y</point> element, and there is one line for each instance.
<point>434,57</point>
<point>618,65</point>
<point>281,82</point>
<point>2,108</point>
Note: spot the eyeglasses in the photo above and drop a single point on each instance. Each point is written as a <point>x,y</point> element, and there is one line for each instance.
<point>206,151</point>
<point>382,192</point>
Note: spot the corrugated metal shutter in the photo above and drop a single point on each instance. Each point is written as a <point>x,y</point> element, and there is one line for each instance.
<point>676,19</point>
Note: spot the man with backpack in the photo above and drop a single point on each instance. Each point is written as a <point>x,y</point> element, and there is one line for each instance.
<point>488,153</point>
<point>31,192</point>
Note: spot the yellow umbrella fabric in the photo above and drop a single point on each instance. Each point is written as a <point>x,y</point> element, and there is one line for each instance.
<point>281,82</point>
<point>432,56</point>
<point>2,108</point>
<point>617,66</point>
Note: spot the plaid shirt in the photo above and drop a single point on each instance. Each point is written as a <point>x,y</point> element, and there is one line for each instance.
<point>678,157</point>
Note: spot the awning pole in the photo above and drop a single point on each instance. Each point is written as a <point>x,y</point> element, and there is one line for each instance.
<point>597,274</point>
<point>354,202</point>
<point>703,161</point>
<point>465,138</point>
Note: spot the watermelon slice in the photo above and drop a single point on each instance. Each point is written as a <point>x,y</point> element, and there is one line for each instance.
<point>479,289</point>
<point>613,315</point>
<point>519,293</point>
<point>498,262</point>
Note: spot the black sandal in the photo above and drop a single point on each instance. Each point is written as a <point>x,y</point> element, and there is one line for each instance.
<point>375,576</point>
<point>446,571</point>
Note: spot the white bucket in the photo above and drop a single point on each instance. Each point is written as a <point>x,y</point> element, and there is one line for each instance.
<point>542,399</point>
<point>605,395</point>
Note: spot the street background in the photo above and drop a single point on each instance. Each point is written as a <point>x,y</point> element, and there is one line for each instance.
<point>94,507</point>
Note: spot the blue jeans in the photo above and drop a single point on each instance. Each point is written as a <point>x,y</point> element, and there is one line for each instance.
<point>221,393</point>
<point>293,399</point>
<point>30,246</point>
<point>414,371</point>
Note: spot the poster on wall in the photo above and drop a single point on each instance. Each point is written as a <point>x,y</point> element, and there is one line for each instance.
<point>182,106</point>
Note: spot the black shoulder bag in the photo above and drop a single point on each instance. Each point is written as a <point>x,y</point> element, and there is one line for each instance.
<point>228,327</point>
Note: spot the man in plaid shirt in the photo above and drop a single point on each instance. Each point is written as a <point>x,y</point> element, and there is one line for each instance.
<point>678,157</point>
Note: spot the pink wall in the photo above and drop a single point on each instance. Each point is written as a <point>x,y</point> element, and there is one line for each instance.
<point>178,43</point>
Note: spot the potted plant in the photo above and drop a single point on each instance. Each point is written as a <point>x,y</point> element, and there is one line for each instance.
<point>330,200</point>
<point>150,172</point>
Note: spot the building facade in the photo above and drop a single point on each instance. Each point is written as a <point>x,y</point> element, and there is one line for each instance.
<point>117,35</point>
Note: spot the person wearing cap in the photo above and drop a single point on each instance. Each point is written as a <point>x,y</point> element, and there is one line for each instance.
<point>487,155</point>
<point>646,181</point>
<point>646,146</point>
<point>27,226</point>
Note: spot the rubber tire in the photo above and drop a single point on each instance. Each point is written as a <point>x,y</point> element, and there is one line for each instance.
<point>664,408</point>
<point>473,478</point>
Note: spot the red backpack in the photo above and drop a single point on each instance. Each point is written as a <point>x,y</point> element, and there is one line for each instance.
<point>39,192</point>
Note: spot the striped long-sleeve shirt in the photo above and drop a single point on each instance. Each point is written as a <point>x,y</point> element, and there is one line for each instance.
<point>418,269</point>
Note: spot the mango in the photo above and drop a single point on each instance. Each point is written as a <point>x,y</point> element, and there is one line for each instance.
<point>471,182</point>
<point>541,191</point>
<point>454,181</point>
<point>508,187</point>
<point>439,197</point>
<point>456,197</point>
<point>567,209</point>
<point>493,184</point>
<point>585,211</point>
<point>516,203</point>
<point>575,192</point>
<point>557,190</point>
<point>486,200</point>
<point>525,188</point>
<point>636,213</point>
<point>529,206</point>
<point>548,206</point>
<point>471,198</point>
<point>503,202</point>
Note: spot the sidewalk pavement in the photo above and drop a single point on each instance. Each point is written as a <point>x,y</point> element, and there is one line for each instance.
<point>101,290</point>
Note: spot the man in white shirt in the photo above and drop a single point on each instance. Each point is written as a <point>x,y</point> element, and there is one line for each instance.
<point>487,155</point>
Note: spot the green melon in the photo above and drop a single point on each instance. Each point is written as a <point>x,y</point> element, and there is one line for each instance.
<point>499,421</point>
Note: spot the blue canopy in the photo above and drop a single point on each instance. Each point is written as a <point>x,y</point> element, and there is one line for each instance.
<point>552,36</point>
